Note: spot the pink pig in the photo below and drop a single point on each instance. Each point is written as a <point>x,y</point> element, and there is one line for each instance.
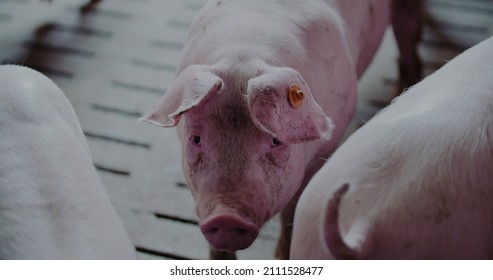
<point>52,204</point>
<point>417,180</point>
<point>248,149</point>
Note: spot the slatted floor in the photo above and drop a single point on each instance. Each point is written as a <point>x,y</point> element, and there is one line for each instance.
<point>115,62</point>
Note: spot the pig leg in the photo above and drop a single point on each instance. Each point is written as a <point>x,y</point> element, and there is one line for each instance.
<point>283,247</point>
<point>406,23</point>
<point>287,217</point>
<point>284,243</point>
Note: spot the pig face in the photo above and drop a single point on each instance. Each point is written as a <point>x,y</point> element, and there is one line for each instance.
<point>233,168</point>
<point>242,138</point>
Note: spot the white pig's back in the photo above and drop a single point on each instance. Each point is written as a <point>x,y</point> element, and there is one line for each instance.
<point>435,198</point>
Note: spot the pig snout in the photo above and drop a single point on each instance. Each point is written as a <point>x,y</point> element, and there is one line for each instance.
<point>229,232</point>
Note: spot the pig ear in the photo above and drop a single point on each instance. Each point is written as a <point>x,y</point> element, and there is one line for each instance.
<point>191,87</point>
<point>281,103</point>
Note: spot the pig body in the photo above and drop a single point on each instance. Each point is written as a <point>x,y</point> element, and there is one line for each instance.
<point>247,150</point>
<point>52,204</point>
<point>416,180</point>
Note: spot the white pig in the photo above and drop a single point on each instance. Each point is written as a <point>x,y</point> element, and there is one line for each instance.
<point>417,180</point>
<point>52,203</point>
<point>254,91</point>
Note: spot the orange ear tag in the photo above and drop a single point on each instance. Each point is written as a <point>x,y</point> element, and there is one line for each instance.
<point>296,96</point>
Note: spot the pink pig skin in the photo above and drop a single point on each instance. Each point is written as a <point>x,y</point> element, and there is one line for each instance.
<point>247,153</point>
<point>419,175</point>
<point>52,204</point>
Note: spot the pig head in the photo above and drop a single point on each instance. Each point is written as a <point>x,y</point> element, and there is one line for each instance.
<point>242,138</point>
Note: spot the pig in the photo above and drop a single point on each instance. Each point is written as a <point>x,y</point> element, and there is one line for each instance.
<point>52,203</point>
<point>263,91</point>
<point>415,182</point>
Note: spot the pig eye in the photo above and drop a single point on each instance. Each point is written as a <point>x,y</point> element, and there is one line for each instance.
<point>275,142</point>
<point>196,140</point>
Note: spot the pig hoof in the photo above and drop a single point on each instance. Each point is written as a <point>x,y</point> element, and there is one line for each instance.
<point>229,232</point>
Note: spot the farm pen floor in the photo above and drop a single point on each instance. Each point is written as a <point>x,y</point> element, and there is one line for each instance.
<point>114,63</point>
